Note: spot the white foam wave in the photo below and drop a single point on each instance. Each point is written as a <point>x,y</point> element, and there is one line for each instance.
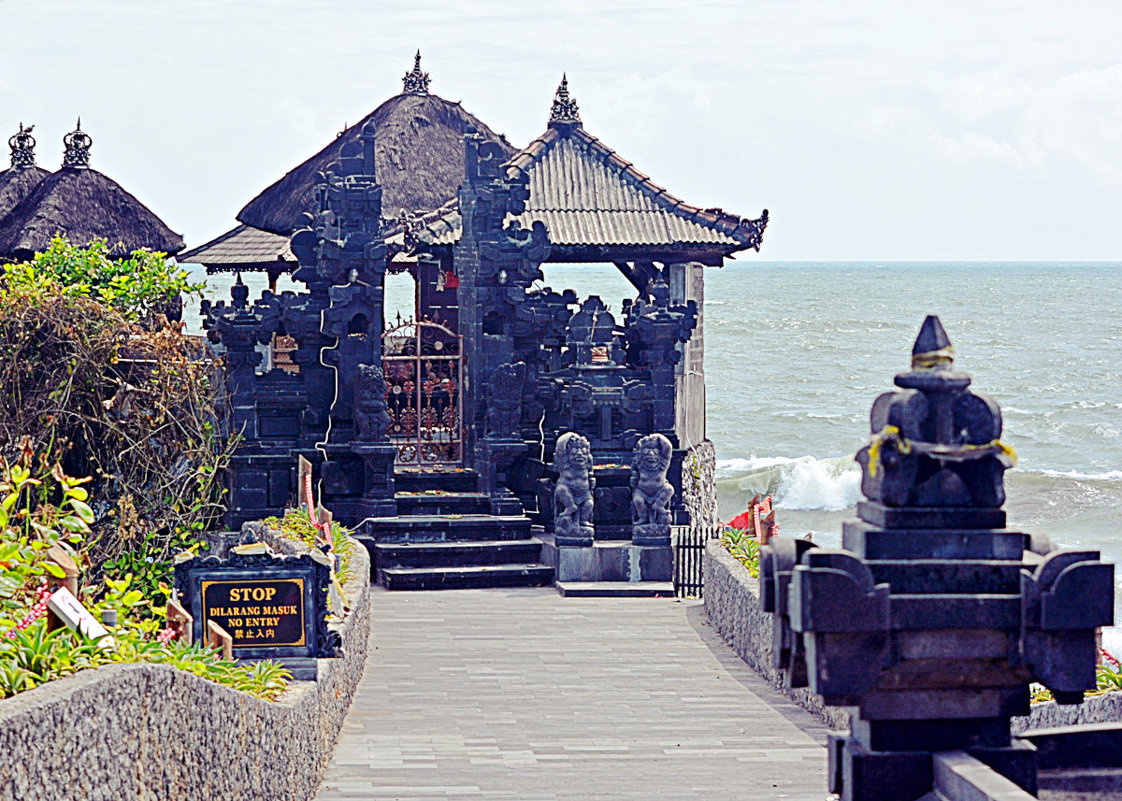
<point>801,484</point>
<point>728,467</point>
<point>1109,475</point>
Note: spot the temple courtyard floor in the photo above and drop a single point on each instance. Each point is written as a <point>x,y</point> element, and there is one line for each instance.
<point>525,695</point>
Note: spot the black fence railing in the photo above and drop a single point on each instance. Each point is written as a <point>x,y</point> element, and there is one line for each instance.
<point>689,548</point>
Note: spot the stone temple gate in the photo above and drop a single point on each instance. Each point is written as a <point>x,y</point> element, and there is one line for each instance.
<point>436,437</point>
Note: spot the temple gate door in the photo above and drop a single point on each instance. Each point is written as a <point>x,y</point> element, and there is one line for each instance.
<point>423,365</point>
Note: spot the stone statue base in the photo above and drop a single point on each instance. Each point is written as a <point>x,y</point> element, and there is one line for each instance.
<point>608,561</point>
<point>651,534</point>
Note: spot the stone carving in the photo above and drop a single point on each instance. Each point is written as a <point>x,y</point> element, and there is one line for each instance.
<point>78,144</point>
<point>650,491</point>
<point>370,413</point>
<point>572,498</point>
<point>564,107</point>
<point>22,145</point>
<point>504,399</point>
<point>899,622</point>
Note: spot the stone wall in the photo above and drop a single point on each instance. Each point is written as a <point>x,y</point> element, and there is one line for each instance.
<point>699,483</point>
<point>732,602</point>
<point>1105,708</point>
<point>152,732</point>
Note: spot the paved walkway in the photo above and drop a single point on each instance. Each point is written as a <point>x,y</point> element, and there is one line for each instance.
<point>524,695</point>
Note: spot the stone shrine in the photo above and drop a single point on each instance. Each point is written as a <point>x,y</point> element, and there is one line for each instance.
<point>933,618</point>
<point>439,438</point>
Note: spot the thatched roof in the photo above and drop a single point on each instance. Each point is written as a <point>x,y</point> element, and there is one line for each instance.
<point>83,204</point>
<point>24,175</point>
<point>16,184</point>
<point>419,159</point>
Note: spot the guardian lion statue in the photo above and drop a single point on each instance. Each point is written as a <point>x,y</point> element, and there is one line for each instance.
<point>650,491</point>
<point>572,498</point>
<point>371,417</point>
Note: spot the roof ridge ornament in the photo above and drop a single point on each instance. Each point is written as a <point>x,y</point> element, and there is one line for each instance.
<point>23,148</point>
<point>78,144</point>
<point>416,82</point>
<point>564,109</point>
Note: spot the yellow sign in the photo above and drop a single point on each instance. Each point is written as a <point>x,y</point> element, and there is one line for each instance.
<point>257,612</point>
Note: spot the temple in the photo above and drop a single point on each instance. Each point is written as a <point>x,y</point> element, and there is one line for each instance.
<point>76,201</point>
<point>438,437</point>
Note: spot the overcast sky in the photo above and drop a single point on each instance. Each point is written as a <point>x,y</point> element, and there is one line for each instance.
<point>882,130</point>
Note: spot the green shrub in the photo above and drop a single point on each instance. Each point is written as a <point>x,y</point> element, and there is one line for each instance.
<point>41,508</point>
<point>744,547</point>
<point>297,525</point>
<point>138,287</point>
<point>135,409</point>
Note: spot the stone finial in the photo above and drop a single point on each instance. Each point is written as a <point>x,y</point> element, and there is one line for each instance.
<point>23,148</point>
<point>932,349</point>
<point>565,109</point>
<point>78,144</point>
<point>415,81</point>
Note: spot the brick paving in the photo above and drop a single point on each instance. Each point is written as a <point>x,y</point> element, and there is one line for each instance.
<point>521,694</point>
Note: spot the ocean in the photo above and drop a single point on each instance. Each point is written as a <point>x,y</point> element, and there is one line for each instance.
<point>796,352</point>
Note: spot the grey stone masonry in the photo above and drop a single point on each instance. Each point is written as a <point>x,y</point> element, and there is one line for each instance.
<point>732,604</point>
<point>153,732</point>
<point>520,694</point>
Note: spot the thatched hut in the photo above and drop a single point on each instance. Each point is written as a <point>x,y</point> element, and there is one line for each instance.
<point>20,180</point>
<point>419,159</point>
<point>82,204</point>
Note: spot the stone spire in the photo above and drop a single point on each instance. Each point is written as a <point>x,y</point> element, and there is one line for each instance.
<point>416,82</point>
<point>23,148</point>
<point>78,144</point>
<point>932,349</point>
<point>565,109</point>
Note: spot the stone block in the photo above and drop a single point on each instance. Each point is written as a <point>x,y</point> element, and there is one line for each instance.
<point>655,563</point>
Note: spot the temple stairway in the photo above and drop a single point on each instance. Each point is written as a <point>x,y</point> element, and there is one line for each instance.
<point>444,537</point>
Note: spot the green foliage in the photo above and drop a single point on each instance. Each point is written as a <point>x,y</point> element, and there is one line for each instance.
<point>744,547</point>
<point>36,656</point>
<point>136,409</point>
<point>40,508</point>
<point>138,287</point>
<point>297,525</point>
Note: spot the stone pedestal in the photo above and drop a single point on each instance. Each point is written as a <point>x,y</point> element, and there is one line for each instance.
<point>608,562</point>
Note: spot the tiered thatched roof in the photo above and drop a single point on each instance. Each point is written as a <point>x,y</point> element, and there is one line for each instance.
<point>83,204</point>
<point>419,160</point>
<point>20,180</point>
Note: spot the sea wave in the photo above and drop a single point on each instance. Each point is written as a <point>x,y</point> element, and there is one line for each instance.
<point>804,483</point>
<point>830,484</point>
<point>1109,475</point>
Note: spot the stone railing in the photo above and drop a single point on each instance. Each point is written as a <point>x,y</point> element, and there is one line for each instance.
<point>155,732</point>
<point>732,602</point>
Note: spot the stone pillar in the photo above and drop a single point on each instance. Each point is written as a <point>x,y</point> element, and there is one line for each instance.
<point>933,618</point>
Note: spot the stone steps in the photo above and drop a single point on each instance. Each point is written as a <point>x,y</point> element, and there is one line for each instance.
<point>445,528</point>
<point>452,480</point>
<point>442,503</point>
<point>458,554</point>
<point>469,577</point>
<point>616,589</point>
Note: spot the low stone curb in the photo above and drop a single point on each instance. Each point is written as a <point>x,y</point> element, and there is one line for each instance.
<point>1106,708</point>
<point>732,602</point>
<point>153,732</point>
